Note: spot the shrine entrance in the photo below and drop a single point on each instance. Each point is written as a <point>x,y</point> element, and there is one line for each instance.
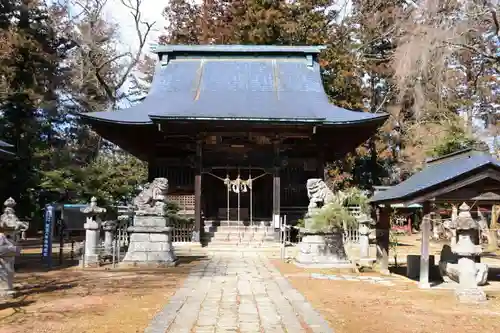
<point>241,196</point>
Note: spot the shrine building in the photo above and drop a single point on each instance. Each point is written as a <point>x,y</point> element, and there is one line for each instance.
<point>237,129</point>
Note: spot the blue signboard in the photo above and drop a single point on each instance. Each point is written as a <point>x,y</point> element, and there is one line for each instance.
<point>47,235</point>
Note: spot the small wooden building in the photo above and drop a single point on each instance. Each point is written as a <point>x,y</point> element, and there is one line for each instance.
<point>469,176</point>
<point>237,129</point>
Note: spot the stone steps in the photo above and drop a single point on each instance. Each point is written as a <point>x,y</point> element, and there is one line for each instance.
<point>239,236</point>
<point>243,229</point>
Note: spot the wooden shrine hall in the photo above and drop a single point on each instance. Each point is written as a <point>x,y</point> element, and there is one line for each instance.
<point>237,129</point>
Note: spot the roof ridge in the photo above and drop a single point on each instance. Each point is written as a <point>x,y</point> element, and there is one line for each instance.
<point>458,153</point>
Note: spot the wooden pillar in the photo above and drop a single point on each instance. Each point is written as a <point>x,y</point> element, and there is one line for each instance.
<point>425,229</point>
<point>197,194</point>
<point>383,227</point>
<point>276,185</point>
<point>321,164</point>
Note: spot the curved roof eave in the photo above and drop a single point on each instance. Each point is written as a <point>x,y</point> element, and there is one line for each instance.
<point>5,154</point>
<point>135,115</point>
<point>369,118</point>
<point>5,144</point>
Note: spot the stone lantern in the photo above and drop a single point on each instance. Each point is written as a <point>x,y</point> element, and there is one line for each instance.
<point>109,228</point>
<point>364,222</point>
<point>10,226</point>
<point>92,228</point>
<point>460,265</point>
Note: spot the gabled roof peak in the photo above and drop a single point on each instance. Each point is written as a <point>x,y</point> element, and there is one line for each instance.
<point>459,153</point>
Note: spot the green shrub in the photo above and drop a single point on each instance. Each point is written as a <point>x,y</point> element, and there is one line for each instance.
<point>331,218</point>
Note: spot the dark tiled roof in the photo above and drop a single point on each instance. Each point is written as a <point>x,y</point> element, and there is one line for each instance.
<point>237,82</point>
<point>435,173</point>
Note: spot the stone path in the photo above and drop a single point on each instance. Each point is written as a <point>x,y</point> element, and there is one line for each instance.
<point>230,293</point>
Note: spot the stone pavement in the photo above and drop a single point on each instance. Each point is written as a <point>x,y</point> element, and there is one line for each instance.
<point>231,293</point>
<point>386,281</point>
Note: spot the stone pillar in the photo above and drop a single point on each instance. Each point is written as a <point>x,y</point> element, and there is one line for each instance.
<point>424,250</point>
<point>10,227</point>
<point>92,228</point>
<point>364,239</point>
<point>109,228</point>
<point>382,231</point>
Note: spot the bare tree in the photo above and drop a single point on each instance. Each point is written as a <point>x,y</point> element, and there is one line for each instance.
<point>99,68</point>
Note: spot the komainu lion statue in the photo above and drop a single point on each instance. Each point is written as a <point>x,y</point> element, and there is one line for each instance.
<point>151,201</point>
<point>319,194</point>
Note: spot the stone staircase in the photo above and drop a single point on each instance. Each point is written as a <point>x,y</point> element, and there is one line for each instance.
<point>239,236</point>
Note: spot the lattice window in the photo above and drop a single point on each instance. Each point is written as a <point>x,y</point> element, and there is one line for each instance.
<point>185,202</point>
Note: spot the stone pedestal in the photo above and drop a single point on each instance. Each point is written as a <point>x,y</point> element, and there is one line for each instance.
<point>150,242</point>
<point>322,251</point>
<point>8,252</point>
<point>467,290</point>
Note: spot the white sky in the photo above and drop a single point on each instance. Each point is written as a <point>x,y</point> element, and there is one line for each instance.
<point>151,10</point>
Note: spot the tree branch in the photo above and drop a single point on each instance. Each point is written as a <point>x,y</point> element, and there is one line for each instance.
<point>134,6</point>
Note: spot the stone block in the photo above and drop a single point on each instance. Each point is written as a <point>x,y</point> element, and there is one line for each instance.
<point>150,221</point>
<point>138,237</point>
<point>135,256</point>
<point>161,256</point>
<point>413,265</point>
<point>470,295</point>
<point>159,237</point>
<point>146,246</point>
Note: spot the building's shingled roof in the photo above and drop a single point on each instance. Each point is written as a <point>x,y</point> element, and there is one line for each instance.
<point>437,172</point>
<point>236,82</point>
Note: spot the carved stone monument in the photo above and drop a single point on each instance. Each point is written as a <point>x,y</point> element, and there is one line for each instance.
<point>10,225</point>
<point>92,228</point>
<point>458,262</point>
<point>151,234</point>
<point>321,249</point>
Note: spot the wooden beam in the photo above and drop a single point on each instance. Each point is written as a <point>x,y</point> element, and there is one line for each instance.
<point>197,194</point>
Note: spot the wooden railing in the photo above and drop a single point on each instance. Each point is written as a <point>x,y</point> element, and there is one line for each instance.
<point>183,231</point>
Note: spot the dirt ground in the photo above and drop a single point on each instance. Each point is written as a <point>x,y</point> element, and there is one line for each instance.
<point>358,307</point>
<point>90,301</point>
